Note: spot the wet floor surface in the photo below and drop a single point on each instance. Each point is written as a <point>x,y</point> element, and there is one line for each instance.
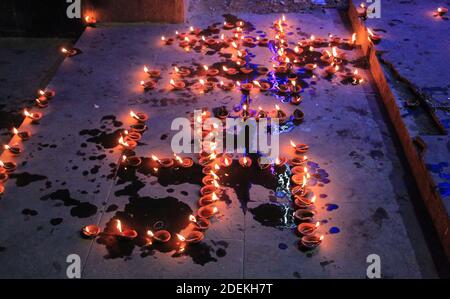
<point>68,175</point>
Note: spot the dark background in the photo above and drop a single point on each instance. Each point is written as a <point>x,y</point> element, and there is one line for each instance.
<point>37,18</point>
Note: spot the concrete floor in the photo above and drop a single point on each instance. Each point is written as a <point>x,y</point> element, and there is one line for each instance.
<point>66,178</point>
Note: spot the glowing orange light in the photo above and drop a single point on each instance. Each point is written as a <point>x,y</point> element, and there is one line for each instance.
<point>119,225</point>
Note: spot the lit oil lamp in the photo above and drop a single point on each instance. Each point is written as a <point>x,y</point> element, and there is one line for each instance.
<point>311,241</point>
<point>316,41</point>
<point>332,69</point>
<point>300,168</point>
<point>228,25</point>
<point>178,84</point>
<point>298,161</point>
<point>226,86</point>
<point>22,135</point>
<point>125,234</point>
<point>182,71</point>
<point>47,93</point>
<point>225,160</point>
<point>211,42</point>
<point>230,71</point>
<point>295,88</point>
<point>7,166</point>
<point>14,150</point>
<point>34,116</point>
<point>280,161</point>
<point>42,102</point>
<point>69,52</point>
<point>263,86</point>
<point>327,57</point>
<point>245,162</point>
<point>184,162</point>
<point>352,42</point>
<point>441,11</point>
<point>283,88</point>
<point>209,189</point>
<point>376,38</point>
<point>127,144</point>
<point>90,231</point>
<point>211,71</point>
<point>152,73</point>
<point>167,41</point>
<point>208,180</point>
<point>164,163</point>
<point>281,69</point>
<point>162,235</point>
<point>147,85</point>
<point>208,199</point>
<point>304,215</point>
<point>261,113</point>
<point>194,31</point>
<point>193,237</point>
<point>334,39</point>
<point>139,116</point>
<point>299,179</point>
<point>296,99</point>
<point>90,21</point>
<point>280,114</point>
<point>300,148</point>
<point>200,223</point>
<point>307,229</point>
<point>263,42</point>
<point>262,70</point>
<point>207,211</point>
<point>247,87</point>
<point>133,135</point>
<point>139,127</point>
<point>246,70</point>
<point>133,161</point>
<point>298,116</point>
<point>304,201</point>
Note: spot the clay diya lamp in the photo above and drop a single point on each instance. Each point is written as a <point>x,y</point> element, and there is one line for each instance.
<point>298,179</point>
<point>42,102</point>
<point>182,71</point>
<point>135,136</point>
<point>147,85</point>
<point>262,165</point>
<point>194,31</point>
<point>281,69</point>
<point>47,93</point>
<point>295,88</point>
<point>331,70</point>
<point>298,116</point>
<point>185,162</point>
<point>244,112</point>
<point>292,77</point>
<point>140,127</point>
<point>262,70</point>
<point>300,148</point>
<point>230,71</point>
<point>296,100</point>
<point>125,234</point>
<point>326,57</point>
<point>228,25</point>
<point>222,113</point>
<point>209,85</point>
<point>207,190</point>
<point>177,84</point>
<point>263,42</point>
<point>207,211</point>
<point>152,73</point>
<point>247,87</point>
<point>311,241</point>
<point>14,150</point>
<point>2,190</point>
<point>264,86</point>
<point>139,116</point>
<point>376,38</point>
<point>246,71</point>
<point>299,169</point>
<point>310,66</point>
<point>167,41</point>
<point>225,160</point>
<point>162,235</point>
<point>7,166</point>
<point>69,52</point>
<point>208,180</point>
<point>208,199</point>
<point>226,86</point>
<point>283,88</point>
<point>34,116</point>
<point>299,161</point>
<point>205,161</point>
<point>304,215</point>
<point>91,231</point>
<point>245,162</point>
<point>304,202</point>
<point>24,135</point>
<point>441,11</point>
<point>249,41</point>
<point>210,42</point>
<point>334,39</point>
<point>127,144</point>
<point>317,41</point>
<point>212,72</point>
<point>280,114</point>
<point>307,229</point>
<point>90,21</point>
<point>194,237</point>
<point>133,161</point>
<point>200,223</point>
<point>165,162</point>
<point>280,161</point>
<point>261,113</point>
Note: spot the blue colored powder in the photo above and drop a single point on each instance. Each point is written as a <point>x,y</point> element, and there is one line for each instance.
<point>334,230</point>
<point>282,246</point>
<point>331,207</point>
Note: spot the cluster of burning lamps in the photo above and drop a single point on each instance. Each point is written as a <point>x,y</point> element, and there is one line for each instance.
<point>304,198</point>
<point>44,96</point>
